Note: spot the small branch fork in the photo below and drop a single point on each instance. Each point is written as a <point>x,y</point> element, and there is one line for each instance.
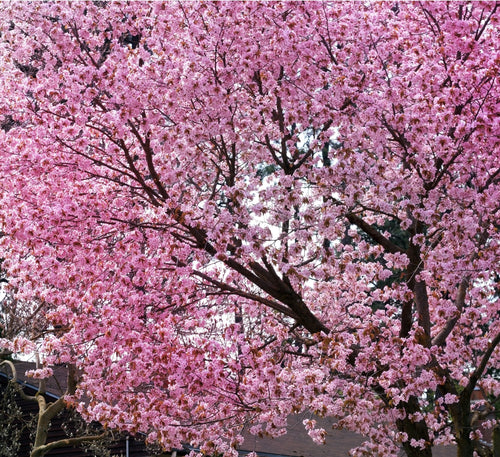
<point>47,412</point>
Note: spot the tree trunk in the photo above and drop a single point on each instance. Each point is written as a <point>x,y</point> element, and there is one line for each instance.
<point>415,430</point>
<point>465,446</point>
<point>496,441</point>
<point>461,416</point>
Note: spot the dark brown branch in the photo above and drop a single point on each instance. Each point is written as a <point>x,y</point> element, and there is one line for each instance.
<point>486,22</point>
<point>273,151</point>
<point>138,176</point>
<point>432,185</point>
<point>490,180</point>
<point>97,162</point>
<point>482,365</point>
<point>146,147</point>
<point>233,290</point>
<point>328,48</point>
<point>374,234</point>
<point>440,338</point>
<point>419,289</point>
<point>265,280</point>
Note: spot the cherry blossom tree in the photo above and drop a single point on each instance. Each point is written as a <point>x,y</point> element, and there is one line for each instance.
<point>233,212</point>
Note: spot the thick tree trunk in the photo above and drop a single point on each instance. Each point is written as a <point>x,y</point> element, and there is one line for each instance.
<point>465,446</point>
<point>461,416</point>
<point>415,430</point>
<point>496,441</point>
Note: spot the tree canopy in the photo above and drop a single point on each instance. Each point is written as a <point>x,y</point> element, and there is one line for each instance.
<point>228,212</point>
